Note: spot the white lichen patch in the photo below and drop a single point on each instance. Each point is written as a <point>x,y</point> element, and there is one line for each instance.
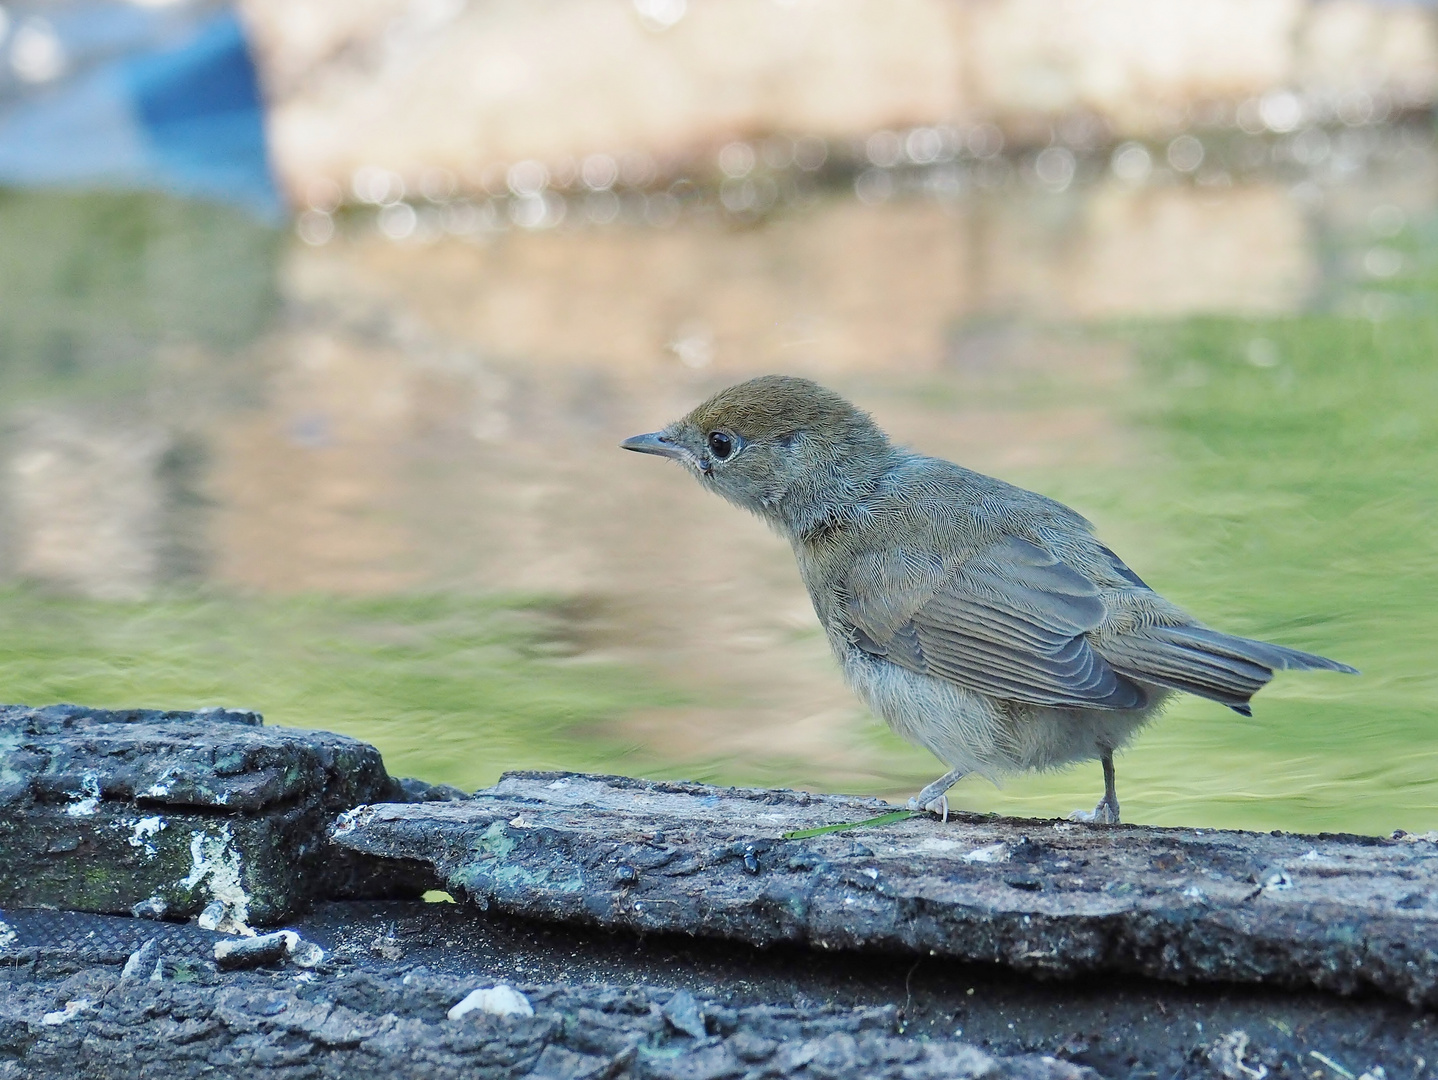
<point>351,820</point>
<point>8,940</point>
<point>143,832</point>
<point>215,869</point>
<point>71,1010</point>
<point>88,800</point>
<point>160,789</point>
<point>990,854</point>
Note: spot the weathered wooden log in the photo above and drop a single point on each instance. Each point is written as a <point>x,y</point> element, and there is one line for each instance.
<point>177,813</point>
<point>95,1023</point>
<point>1119,1026</point>
<point>1335,912</point>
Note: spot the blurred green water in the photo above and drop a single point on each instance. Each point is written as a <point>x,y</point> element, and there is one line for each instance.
<point>91,284</point>
<point>1288,490</point>
<point>1295,502</point>
<point>453,689</point>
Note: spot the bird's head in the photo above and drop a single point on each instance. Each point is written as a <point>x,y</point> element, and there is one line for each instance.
<point>779,446</point>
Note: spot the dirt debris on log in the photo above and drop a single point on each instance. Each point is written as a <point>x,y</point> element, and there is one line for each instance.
<point>180,814</point>
<point>1335,912</point>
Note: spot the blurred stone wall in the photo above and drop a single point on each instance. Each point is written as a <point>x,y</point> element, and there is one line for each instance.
<point>467,85</point>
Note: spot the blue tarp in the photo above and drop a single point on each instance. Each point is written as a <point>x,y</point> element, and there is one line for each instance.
<point>118,96</point>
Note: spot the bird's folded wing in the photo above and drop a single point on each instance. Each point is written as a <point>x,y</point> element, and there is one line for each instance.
<point>1010,621</point>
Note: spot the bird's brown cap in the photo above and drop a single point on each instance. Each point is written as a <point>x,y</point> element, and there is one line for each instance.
<point>775,405</point>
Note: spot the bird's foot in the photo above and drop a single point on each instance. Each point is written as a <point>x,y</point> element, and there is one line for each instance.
<point>938,807</point>
<point>933,798</point>
<point>1105,813</point>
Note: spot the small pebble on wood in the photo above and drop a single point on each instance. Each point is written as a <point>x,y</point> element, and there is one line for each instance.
<point>495,1000</point>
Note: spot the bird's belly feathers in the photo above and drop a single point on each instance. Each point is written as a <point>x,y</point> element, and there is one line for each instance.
<point>977,733</point>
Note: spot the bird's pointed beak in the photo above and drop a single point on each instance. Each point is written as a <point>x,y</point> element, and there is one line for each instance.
<point>654,443</point>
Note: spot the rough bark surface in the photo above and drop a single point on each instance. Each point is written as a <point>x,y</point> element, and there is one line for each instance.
<point>1335,912</point>
<point>104,810</point>
<point>1118,1026</point>
<point>192,1022</point>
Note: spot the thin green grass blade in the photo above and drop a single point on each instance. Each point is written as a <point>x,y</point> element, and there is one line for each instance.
<point>882,819</point>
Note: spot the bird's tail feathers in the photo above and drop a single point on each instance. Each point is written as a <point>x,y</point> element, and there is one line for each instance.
<point>1277,657</point>
<point>1217,666</point>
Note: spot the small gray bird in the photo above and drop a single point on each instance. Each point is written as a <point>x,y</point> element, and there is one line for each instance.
<point>981,621</point>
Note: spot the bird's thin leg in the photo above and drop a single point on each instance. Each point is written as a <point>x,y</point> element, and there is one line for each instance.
<point>1106,812</point>
<point>934,798</point>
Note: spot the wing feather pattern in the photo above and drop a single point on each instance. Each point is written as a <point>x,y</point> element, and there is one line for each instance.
<point>1011,622</point>
<point>1016,623</point>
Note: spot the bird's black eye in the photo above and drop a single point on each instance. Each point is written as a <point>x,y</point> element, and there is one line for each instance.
<point>720,445</point>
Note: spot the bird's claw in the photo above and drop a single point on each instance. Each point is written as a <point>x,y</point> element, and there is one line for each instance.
<point>938,807</point>
<point>1103,814</point>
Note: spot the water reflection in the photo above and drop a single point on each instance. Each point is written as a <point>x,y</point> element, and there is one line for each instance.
<point>88,500</point>
<point>369,418</point>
